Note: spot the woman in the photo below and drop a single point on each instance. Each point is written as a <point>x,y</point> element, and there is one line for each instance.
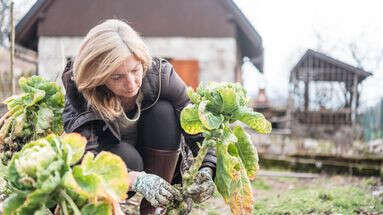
<point>126,102</point>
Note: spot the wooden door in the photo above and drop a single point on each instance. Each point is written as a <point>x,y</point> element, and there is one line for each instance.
<point>188,70</point>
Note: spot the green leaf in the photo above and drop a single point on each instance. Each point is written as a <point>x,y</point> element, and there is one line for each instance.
<point>104,176</point>
<point>80,186</point>
<point>230,100</point>
<point>189,120</point>
<point>208,119</point>
<point>241,94</point>
<point>113,171</point>
<point>231,178</point>
<point>15,102</point>
<point>76,144</point>
<point>18,126</point>
<point>57,125</point>
<point>100,208</point>
<point>12,203</point>
<point>254,120</point>
<point>44,119</point>
<point>194,97</point>
<point>43,211</point>
<point>247,152</point>
<point>56,100</point>
<point>227,166</point>
<point>201,89</point>
<point>38,82</point>
<point>215,102</point>
<point>37,199</point>
<point>37,94</point>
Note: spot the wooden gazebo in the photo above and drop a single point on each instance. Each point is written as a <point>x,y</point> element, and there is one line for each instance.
<point>324,91</point>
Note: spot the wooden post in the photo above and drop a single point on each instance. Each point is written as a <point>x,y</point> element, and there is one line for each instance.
<point>307,80</point>
<point>238,65</point>
<point>306,95</point>
<point>354,98</point>
<point>239,58</point>
<point>12,47</point>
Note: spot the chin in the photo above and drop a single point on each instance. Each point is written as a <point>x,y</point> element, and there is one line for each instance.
<point>131,94</point>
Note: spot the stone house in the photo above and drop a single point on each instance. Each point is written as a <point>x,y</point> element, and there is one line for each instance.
<point>205,40</point>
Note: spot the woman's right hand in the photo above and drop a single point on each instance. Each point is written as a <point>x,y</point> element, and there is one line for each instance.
<point>155,189</point>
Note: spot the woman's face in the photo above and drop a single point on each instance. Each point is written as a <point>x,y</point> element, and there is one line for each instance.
<point>126,80</point>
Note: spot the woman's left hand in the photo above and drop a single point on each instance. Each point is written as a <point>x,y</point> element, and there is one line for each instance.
<point>203,187</point>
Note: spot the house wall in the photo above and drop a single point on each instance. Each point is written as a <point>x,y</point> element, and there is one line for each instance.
<point>25,64</point>
<point>216,56</point>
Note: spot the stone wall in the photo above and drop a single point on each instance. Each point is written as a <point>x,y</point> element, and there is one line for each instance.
<point>216,56</point>
<point>288,145</point>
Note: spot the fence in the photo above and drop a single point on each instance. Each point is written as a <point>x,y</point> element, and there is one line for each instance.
<point>372,122</point>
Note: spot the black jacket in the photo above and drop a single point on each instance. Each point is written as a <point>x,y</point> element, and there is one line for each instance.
<point>160,82</point>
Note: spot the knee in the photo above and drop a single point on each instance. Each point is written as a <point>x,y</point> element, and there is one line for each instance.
<point>158,127</point>
<point>131,157</point>
<point>135,163</point>
<point>160,113</point>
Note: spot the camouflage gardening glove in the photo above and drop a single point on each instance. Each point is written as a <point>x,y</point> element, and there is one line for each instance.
<point>203,187</point>
<point>155,189</point>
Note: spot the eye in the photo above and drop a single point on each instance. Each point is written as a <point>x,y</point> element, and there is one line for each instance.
<point>115,77</point>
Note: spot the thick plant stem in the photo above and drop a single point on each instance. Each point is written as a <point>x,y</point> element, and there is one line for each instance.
<point>74,207</point>
<point>4,117</point>
<point>188,177</point>
<point>63,207</point>
<point>187,181</point>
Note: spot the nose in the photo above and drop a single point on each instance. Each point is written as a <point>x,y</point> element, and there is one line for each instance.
<point>130,81</point>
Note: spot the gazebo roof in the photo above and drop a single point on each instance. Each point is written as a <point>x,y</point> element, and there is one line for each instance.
<point>320,67</point>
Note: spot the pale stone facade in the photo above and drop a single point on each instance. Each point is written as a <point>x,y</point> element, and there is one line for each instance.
<point>216,56</point>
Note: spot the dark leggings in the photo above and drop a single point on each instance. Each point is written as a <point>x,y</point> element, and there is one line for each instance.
<point>157,128</point>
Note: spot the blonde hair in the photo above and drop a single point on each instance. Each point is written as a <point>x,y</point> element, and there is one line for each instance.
<point>102,51</point>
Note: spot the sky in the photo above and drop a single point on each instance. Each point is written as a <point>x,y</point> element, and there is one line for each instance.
<point>289,28</point>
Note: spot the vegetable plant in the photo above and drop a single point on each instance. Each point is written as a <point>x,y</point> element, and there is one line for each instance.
<point>31,115</point>
<point>214,107</point>
<point>40,177</point>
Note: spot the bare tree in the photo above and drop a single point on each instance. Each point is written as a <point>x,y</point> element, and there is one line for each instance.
<point>21,7</point>
<point>364,54</point>
<point>4,21</point>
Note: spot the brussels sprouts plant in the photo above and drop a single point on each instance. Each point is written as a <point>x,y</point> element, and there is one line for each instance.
<point>214,107</point>
<point>40,177</point>
<point>31,115</point>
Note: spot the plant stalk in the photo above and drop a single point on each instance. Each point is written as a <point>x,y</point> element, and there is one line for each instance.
<point>64,207</point>
<point>70,201</point>
<point>189,176</point>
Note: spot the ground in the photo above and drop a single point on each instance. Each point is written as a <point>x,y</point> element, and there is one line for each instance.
<point>319,195</point>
